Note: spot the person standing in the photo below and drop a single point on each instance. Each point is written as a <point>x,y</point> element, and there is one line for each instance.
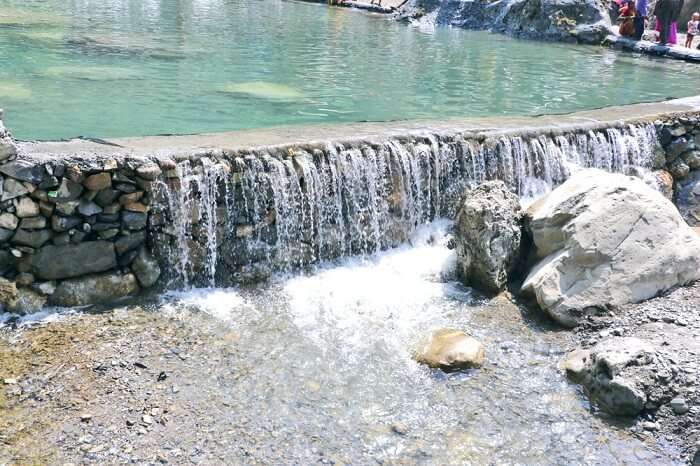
<point>627,17</point>
<point>667,13</point>
<point>640,19</point>
<point>692,30</point>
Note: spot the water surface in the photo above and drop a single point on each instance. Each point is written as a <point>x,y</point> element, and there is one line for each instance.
<point>113,68</point>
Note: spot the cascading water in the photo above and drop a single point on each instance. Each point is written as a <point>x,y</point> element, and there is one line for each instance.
<point>243,216</point>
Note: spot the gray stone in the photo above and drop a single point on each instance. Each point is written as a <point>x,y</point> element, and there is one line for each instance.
<point>103,226</point>
<point>25,207</point>
<point>134,220</point>
<point>679,405</point>
<point>31,238</point>
<point>688,198</point>
<point>62,239</point>
<point>8,221</point>
<point>98,181</point>
<point>129,242</point>
<point>106,197</point>
<point>146,268</point>
<point>24,170</point>
<point>676,148</point>
<point>28,302</point>
<point>68,191</point>
<point>24,279</point>
<point>5,234</point>
<point>148,172</point>
<point>61,224</point>
<point>94,289</point>
<point>45,288</point>
<point>50,183</point>
<point>616,372</point>
<point>7,149</point>
<point>33,223</point>
<point>487,233</point>
<point>692,159</point>
<point>109,233</point>
<point>58,262</point>
<point>8,293</point>
<point>12,188</point>
<point>449,349</point>
<point>605,240</point>
<point>87,208</point>
<point>67,207</point>
<point>127,258</point>
<point>679,169</point>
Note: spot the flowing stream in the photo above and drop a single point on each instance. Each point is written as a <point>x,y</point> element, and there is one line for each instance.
<point>322,371</point>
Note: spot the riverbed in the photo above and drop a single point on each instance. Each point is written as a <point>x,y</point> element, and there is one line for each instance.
<point>310,368</point>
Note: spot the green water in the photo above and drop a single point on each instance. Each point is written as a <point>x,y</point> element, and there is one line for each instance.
<point>107,68</point>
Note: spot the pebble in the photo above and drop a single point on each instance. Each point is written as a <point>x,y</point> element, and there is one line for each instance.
<point>399,428</point>
<point>85,417</point>
<point>147,419</point>
<point>648,425</point>
<point>9,381</point>
<point>679,405</point>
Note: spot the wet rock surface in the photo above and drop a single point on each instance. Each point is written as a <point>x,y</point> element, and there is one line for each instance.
<point>584,21</point>
<point>450,350</point>
<point>488,236</point>
<point>663,335</point>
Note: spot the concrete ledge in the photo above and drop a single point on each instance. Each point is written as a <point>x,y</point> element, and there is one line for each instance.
<point>651,48</point>
<point>289,136</point>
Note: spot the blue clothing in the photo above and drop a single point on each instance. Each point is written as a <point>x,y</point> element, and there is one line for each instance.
<point>641,7</point>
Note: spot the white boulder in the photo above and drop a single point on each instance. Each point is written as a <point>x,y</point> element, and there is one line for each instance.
<point>604,240</point>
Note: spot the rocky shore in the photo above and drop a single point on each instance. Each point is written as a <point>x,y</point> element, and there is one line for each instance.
<point>669,326</point>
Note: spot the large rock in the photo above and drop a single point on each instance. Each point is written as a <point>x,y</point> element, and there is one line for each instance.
<point>688,198</point>
<point>488,233</point>
<point>605,240</point>
<point>449,349</point>
<point>585,21</point>
<point>146,268</point>
<point>73,260</point>
<point>617,373</point>
<point>94,289</point>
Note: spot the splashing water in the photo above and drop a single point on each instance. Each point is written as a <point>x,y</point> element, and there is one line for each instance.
<point>240,217</point>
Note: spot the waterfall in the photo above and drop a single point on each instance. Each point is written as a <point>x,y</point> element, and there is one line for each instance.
<point>242,216</point>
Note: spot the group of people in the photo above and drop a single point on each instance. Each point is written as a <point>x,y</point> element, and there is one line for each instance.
<point>634,15</point>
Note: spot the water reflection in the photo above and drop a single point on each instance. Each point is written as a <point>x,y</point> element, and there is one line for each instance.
<point>347,66</point>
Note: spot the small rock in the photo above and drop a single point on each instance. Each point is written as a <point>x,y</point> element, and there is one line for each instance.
<point>86,417</point>
<point>679,405</point>
<point>10,381</point>
<point>651,426</point>
<point>148,172</point>
<point>147,419</point>
<point>25,207</point>
<point>68,191</point>
<point>8,221</point>
<point>98,181</point>
<point>88,208</point>
<point>33,223</point>
<point>12,188</point>
<point>451,349</point>
<point>399,428</point>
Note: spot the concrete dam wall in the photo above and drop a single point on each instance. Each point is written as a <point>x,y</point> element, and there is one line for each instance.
<point>91,221</point>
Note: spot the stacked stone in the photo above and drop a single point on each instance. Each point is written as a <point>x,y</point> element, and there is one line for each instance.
<point>680,159</point>
<point>74,232</point>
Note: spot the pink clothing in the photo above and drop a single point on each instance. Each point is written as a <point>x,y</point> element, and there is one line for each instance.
<point>672,34</point>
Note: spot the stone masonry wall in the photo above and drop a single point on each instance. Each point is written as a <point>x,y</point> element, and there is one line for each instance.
<point>81,230</point>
